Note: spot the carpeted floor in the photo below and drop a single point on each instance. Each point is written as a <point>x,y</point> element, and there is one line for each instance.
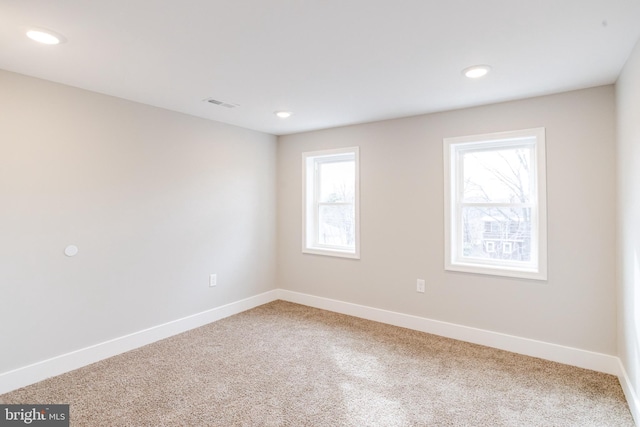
<point>284,364</point>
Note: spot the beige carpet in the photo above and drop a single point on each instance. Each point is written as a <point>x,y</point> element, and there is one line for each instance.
<point>284,364</point>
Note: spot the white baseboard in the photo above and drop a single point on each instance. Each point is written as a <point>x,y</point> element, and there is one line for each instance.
<point>553,352</point>
<point>629,393</point>
<point>39,371</point>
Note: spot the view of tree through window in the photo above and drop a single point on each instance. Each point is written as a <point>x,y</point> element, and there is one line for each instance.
<point>336,216</point>
<point>496,203</point>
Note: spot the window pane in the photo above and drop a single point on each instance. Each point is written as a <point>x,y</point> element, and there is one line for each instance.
<point>496,233</point>
<point>500,175</point>
<point>336,225</point>
<point>337,181</point>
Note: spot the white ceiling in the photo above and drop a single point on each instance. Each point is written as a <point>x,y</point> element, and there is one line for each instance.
<point>331,62</point>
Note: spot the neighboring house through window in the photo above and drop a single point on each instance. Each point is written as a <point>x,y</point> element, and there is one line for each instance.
<point>331,202</point>
<point>495,204</point>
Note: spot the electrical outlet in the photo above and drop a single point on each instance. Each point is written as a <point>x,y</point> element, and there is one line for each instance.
<point>420,285</point>
<point>213,280</point>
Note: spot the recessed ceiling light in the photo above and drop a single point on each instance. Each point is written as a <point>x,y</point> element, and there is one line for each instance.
<point>45,36</point>
<point>283,114</point>
<point>476,71</point>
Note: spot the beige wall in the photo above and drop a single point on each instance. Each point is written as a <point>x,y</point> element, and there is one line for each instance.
<point>402,222</point>
<point>155,201</point>
<point>628,113</point>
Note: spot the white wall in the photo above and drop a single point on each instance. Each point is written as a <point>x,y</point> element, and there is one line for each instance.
<point>402,222</point>
<point>155,201</point>
<point>628,113</point>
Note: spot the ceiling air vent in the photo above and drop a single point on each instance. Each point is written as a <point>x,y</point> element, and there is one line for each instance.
<point>221,103</point>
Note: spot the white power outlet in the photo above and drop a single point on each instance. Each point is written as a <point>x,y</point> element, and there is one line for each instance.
<point>213,280</point>
<point>420,285</point>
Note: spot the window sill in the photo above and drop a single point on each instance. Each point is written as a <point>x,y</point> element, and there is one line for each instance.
<point>492,270</point>
<point>331,252</point>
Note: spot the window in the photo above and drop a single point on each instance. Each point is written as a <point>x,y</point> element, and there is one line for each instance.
<point>331,210</point>
<point>495,204</point>
<point>507,248</point>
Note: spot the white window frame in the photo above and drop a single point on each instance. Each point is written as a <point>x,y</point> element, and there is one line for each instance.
<point>310,203</point>
<point>454,259</point>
